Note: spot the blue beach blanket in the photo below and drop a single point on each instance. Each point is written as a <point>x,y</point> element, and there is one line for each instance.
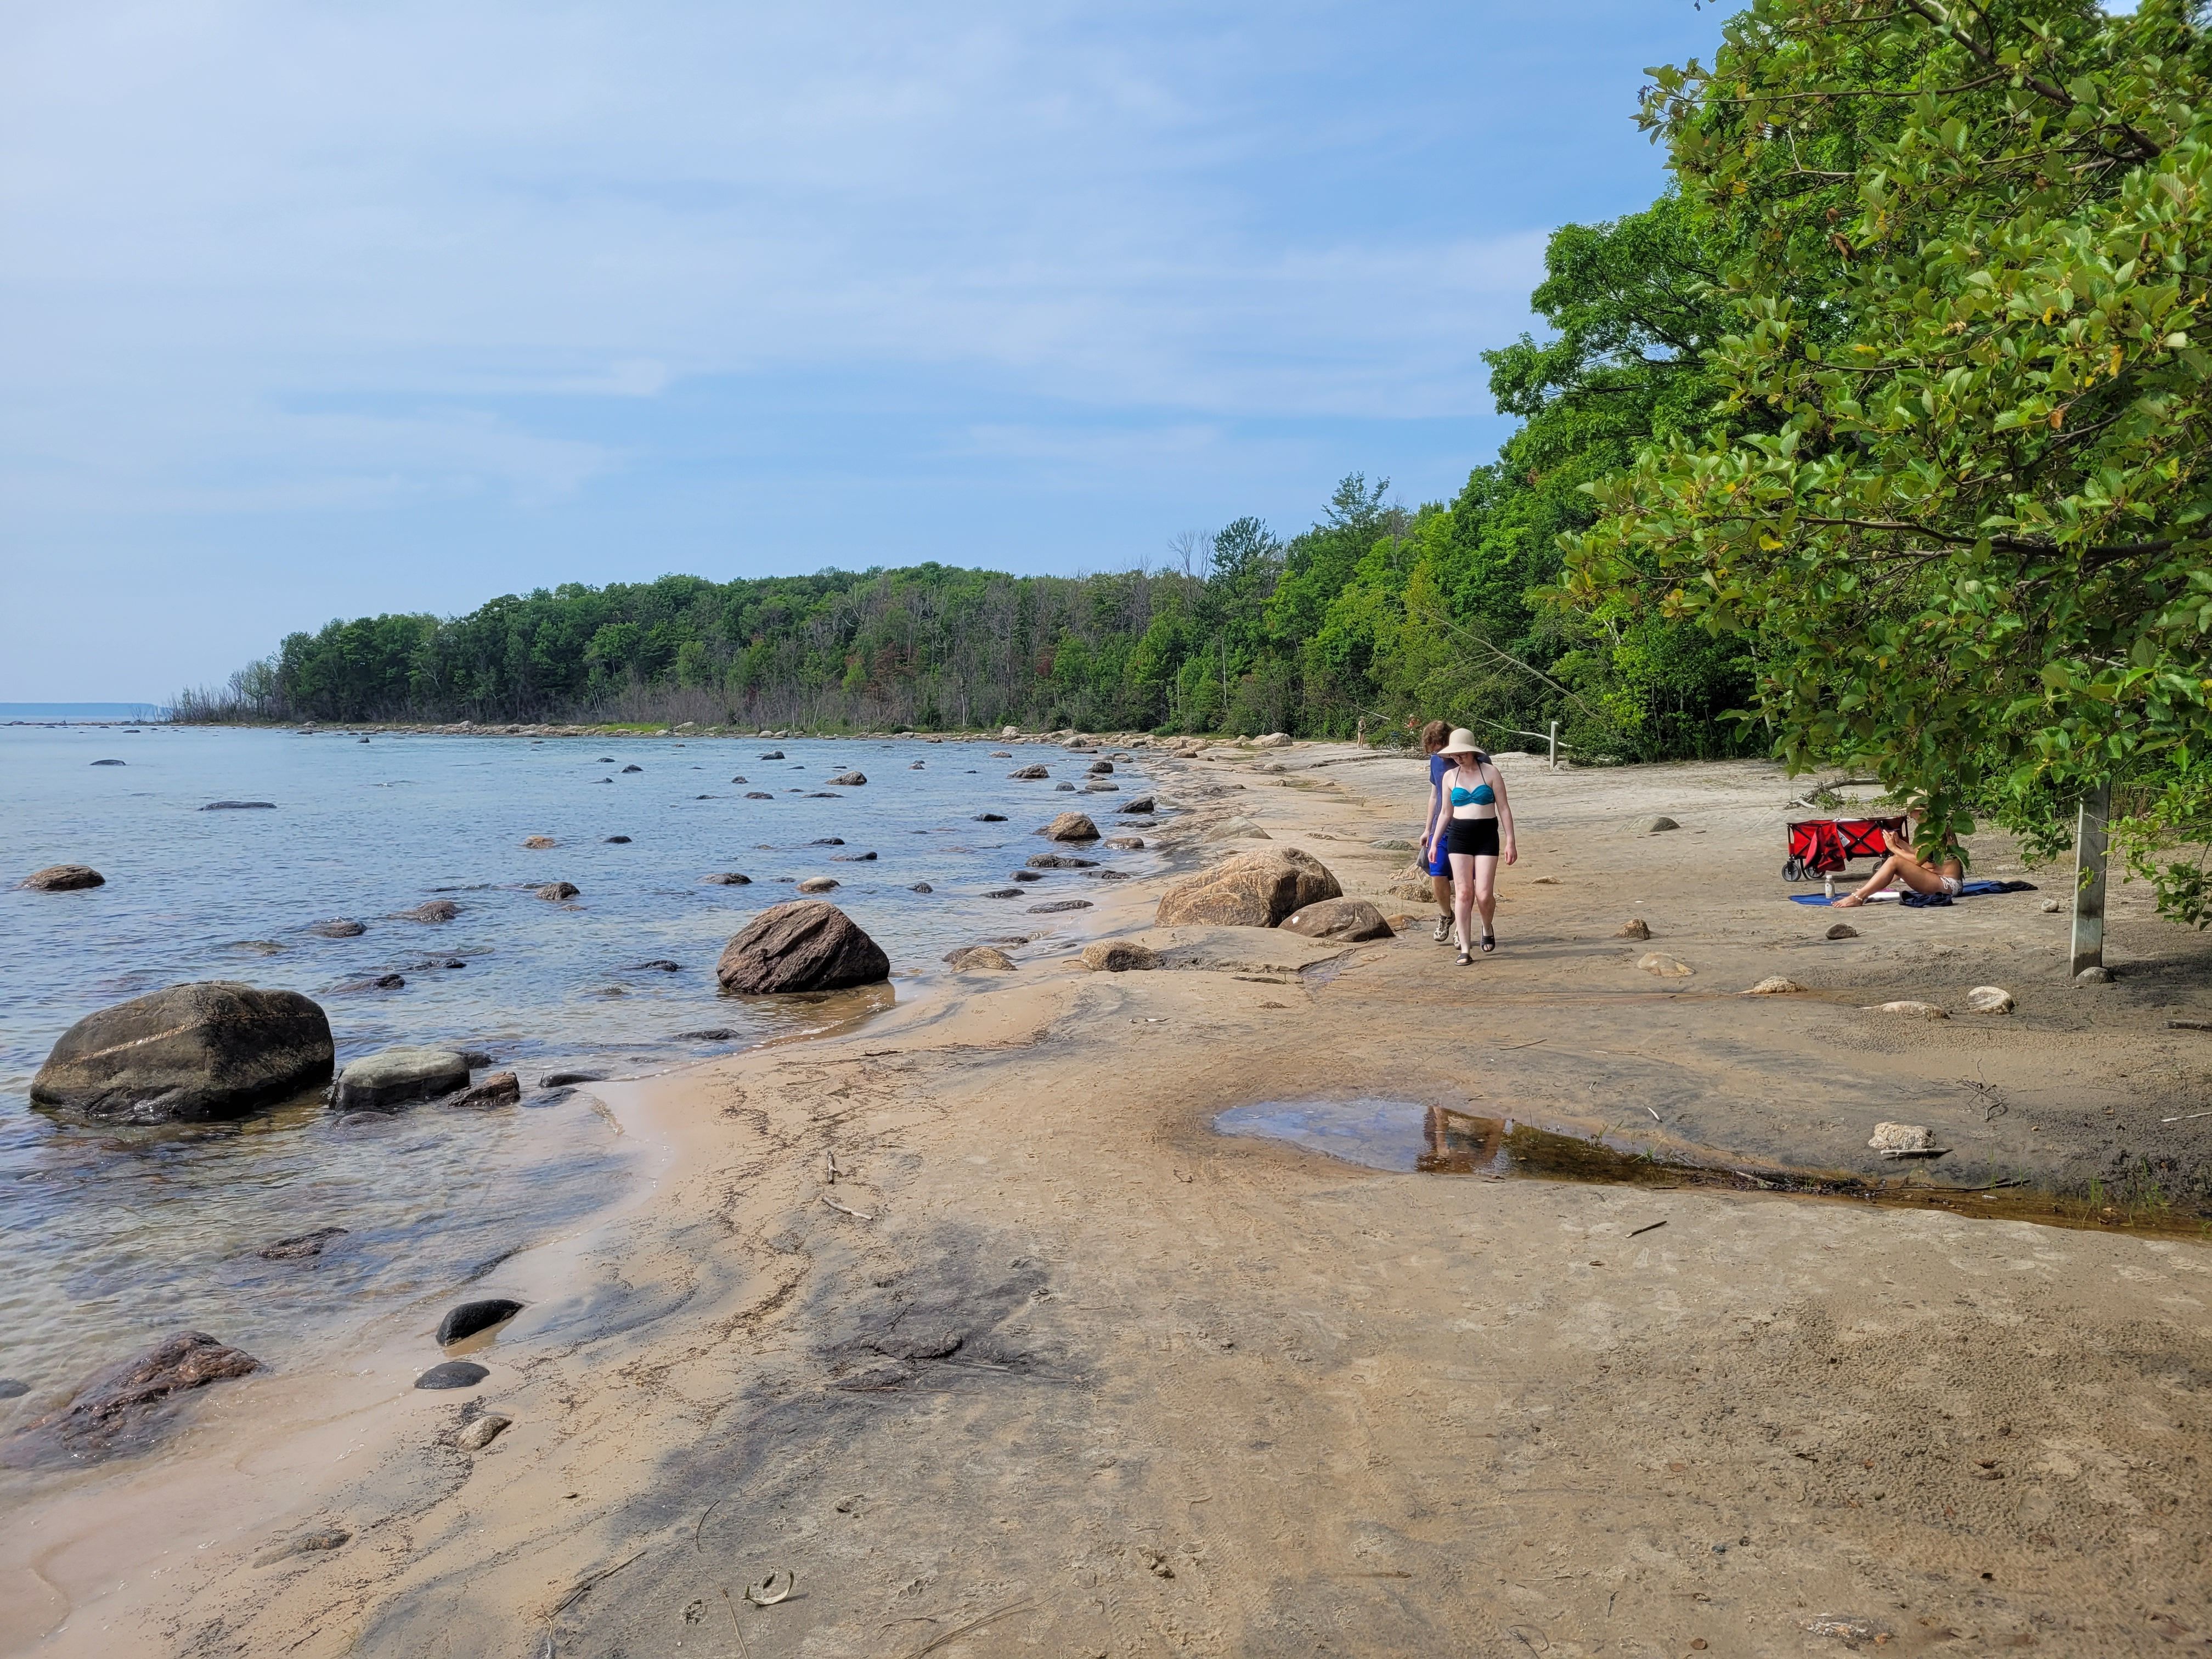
<point>1913,900</point>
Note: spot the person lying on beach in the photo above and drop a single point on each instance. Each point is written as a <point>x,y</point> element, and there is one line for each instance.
<point>1904,866</point>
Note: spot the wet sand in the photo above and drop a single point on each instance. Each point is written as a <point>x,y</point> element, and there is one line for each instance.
<point>1048,1351</point>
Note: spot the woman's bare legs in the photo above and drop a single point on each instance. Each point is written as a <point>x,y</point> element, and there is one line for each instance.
<point>1463,880</point>
<point>1486,893</point>
<point>1896,867</point>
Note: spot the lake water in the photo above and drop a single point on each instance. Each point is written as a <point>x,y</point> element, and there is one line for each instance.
<point>116,1236</point>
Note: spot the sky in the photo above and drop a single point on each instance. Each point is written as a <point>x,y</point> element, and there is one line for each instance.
<point>319,308</point>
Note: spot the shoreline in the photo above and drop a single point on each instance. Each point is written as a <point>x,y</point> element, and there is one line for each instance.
<point>1062,1120</point>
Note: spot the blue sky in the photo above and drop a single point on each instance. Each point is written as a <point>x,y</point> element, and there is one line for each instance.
<point>319,309</point>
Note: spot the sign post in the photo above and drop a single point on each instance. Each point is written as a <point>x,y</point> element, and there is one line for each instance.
<point>2089,879</point>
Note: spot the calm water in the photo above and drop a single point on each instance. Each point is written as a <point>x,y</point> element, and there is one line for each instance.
<point>115,1237</point>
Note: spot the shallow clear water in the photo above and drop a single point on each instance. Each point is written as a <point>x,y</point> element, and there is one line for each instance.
<point>117,1236</point>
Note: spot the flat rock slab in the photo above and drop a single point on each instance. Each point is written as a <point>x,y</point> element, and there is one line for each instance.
<point>1350,920</point>
<point>191,1053</point>
<point>125,1409</point>
<point>1240,949</point>
<point>393,1076</point>
<point>451,1374</point>
<point>465,1319</point>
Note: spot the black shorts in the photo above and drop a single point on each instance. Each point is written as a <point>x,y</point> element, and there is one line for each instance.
<point>1477,837</point>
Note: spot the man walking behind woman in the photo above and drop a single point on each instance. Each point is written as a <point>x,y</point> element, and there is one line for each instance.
<point>1470,828</point>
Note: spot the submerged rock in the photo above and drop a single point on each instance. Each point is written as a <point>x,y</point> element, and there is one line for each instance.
<point>633,767</point>
<point>727,878</point>
<point>300,1247</point>
<point>921,887</point>
<point>802,945</point>
<point>990,817</point>
<point>539,843</point>
<point>1056,905</point>
<point>394,1077</point>
<point>433,910</point>
<point>63,878</point>
<point>615,840</point>
<point>1061,861</point>
<point>1348,919</point>
<point>239,807</point>
<point>1124,843</point>
<point>819,884</point>
<point>110,762</point>
<point>1250,889</point>
<point>1032,770</point>
<point>558,890</point>
<point>124,1408</point>
<point>465,1319</point>
<point>850,780</point>
<point>192,1053</point>
<point>338,928</point>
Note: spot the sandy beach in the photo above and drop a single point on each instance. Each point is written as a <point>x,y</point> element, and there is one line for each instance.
<point>968,1319</point>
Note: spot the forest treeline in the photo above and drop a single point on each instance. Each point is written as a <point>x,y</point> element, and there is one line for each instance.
<point>1879,440</point>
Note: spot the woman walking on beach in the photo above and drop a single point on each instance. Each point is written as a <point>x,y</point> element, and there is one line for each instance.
<point>1478,833</point>
<point>1434,859</point>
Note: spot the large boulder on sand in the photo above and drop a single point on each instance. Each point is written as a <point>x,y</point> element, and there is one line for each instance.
<point>394,1077</point>
<point>121,1409</point>
<point>1347,919</point>
<point>1070,826</point>
<point>210,1049</point>
<point>804,946</point>
<point>1252,890</point>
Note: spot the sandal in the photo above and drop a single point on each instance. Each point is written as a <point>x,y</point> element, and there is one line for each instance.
<point>1489,943</point>
<point>1465,960</point>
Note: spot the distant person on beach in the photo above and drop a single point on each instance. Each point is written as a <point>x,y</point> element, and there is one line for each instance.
<point>1434,859</point>
<point>1478,833</point>
<point>1943,874</point>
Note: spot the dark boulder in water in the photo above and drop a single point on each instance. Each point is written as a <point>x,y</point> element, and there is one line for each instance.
<point>851,858</point>
<point>728,878</point>
<point>758,794</point>
<point>1028,875</point>
<point>1059,904</point>
<point>633,767</point>
<point>125,1408</point>
<point>565,1080</point>
<point>657,965</point>
<point>827,841</point>
<point>1061,861</point>
<point>990,817</point>
<point>192,1053</point>
<point>338,928</point>
<point>63,878</point>
<point>110,762</point>
<point>436,910</point>
<point>1030,771</point>
<point>558,890</point>
<point>803,946</point>
<point>239,807</point>
<point>850,780</point>
<point>772,754</point>
<point>469,1317</point>
<point>921,887</point>
<point>617,841</point>
<point>13,1387</point>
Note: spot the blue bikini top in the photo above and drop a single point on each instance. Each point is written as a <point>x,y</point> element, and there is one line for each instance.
<point>1481,795</point>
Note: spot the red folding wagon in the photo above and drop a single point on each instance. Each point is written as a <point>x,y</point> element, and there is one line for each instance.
<point>1821,847</point>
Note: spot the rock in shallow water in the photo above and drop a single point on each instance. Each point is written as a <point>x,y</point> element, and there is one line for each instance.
<point>192,1053</point>
<point>434,910</point>
<point>394,1077</point>
<point>558,891</point>
<point>1070,826</point>
<point>300,1247</point>
<point>979,958</point>
<point>63,878</point>
<point>338,928</point>
<point>500,1089</point>
<point>467,1318</point>
<point>124,1408</point>
<point>803,946</point>
<point>239,807</point>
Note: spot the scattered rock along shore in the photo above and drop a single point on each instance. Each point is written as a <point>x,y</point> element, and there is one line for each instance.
<point>1001,1214</point>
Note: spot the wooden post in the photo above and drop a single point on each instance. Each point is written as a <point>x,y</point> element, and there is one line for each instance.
<point>2089,879</point>
<point>1555,746</point>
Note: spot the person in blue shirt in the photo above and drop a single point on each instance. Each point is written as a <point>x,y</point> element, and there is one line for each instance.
<point>1476,834</point>
<point>1434,859</point>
